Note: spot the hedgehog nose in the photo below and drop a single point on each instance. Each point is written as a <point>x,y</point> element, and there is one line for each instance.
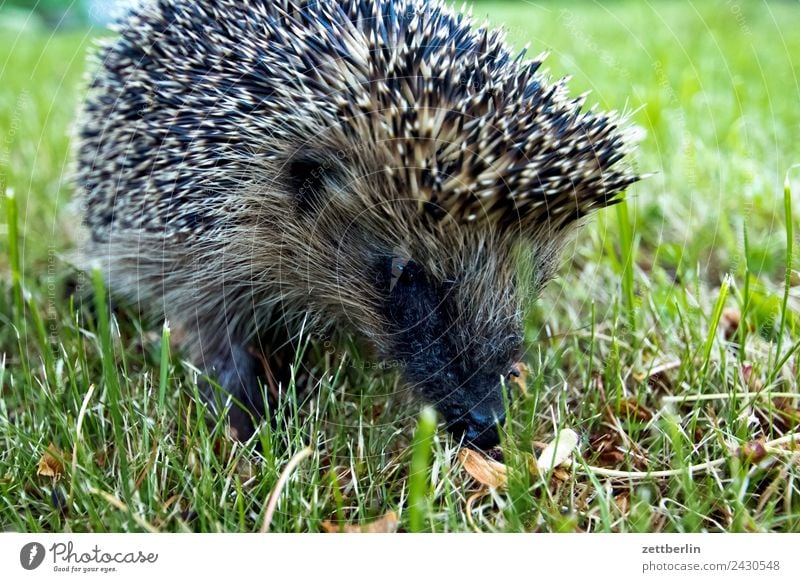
<point>482,429</point>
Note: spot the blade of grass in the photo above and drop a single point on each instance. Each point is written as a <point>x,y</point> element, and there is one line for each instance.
<point>745,296</point>
<point>626,253</point>
<point>420,462</point>
<point>272,503</point>
<point>714,324</point>
<point>13,255</point>
<point>164,370</point>
<point>112,382</point>
<point>787,282</point>
<point>16,279</point>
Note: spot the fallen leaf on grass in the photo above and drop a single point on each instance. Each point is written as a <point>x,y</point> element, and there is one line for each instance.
<point>386,524</point>
<point>51,464</point>
<point>753,451</point>
<point>612,459</point>
<point>519,377</point>
<point>623,503</point>
<point>729,322</point>
<point>561,474</point>
<point>558,451</point>
<point>483,469</point>
<point>604,445</point>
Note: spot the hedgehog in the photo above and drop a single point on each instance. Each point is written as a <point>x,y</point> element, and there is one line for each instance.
<point>385,170</point>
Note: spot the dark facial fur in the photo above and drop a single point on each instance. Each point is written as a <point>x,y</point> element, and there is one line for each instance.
<point>431,334</point>
<point>364,165</point>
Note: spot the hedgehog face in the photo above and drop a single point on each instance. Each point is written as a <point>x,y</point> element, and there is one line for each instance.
<point>431,295</point>
<point>454,349</point>
<point>435,298</point>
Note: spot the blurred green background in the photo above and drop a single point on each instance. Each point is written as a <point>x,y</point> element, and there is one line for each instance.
<point>59,14</point>
<point>714,88</point>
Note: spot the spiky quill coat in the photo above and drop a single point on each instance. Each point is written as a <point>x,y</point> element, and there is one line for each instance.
<point>250,168</point>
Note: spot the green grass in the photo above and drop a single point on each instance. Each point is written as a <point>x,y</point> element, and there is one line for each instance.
<point>634,345</point>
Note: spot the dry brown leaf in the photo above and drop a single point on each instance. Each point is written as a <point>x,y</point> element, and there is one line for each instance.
<point>385,524</point>
<point>520,379</point>
<point>729,322</point>
<point>558,451</point>
<point>612,458</point>
<point>623,503</point>
<point>484,470</point>
<point>51,464</point>
<point>753,451</point>
<point>604,445</point>
<point>560,474</point>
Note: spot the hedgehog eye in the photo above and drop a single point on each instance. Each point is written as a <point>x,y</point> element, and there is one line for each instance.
<point>403,269</point>
<point>307,177</point>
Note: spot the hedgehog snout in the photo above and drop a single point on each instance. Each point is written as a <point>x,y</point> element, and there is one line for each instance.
<point>433,334</point>
<point>479,425</point>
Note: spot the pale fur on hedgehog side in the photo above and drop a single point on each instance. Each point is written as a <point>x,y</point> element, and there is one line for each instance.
<point>372,166</point>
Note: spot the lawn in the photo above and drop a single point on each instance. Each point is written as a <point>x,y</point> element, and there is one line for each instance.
<point>668,341</point>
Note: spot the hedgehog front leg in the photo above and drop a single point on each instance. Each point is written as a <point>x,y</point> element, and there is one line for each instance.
<point>240,375</point>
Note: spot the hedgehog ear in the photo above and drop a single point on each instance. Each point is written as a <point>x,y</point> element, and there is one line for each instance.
<point>308,177</point>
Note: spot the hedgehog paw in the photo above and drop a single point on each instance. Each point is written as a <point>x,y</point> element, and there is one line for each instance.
<point>240,376</point>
